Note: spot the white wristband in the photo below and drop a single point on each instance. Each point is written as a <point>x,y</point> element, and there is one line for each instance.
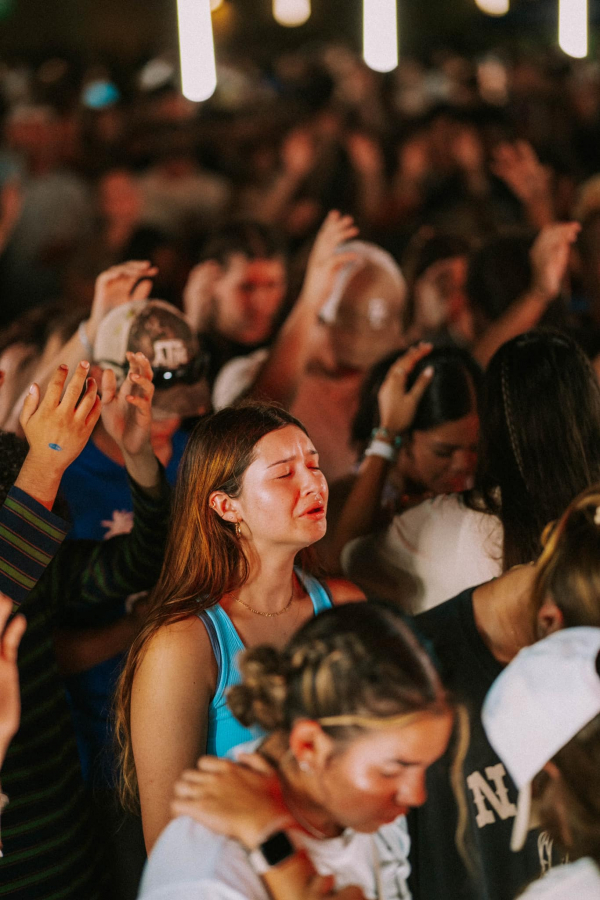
<point>383,449</point>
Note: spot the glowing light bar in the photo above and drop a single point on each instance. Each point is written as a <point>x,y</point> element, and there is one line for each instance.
<point>493,7</point>
<point>380,35</point>
<point>291,13</point>
<point>573,27</point>
<point>196,49</point>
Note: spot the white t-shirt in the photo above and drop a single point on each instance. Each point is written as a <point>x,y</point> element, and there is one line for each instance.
<point>427,554</point>
<point>576,881</point>
<point>190,862</point>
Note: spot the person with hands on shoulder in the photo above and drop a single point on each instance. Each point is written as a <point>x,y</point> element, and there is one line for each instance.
<point>355,713</point>
<point>51,583</point>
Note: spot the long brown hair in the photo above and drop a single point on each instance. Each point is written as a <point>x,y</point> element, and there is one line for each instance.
<point>204,559</point>
<point>539,439</point>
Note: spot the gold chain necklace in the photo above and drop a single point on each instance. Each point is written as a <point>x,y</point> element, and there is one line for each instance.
<point>268,615</point>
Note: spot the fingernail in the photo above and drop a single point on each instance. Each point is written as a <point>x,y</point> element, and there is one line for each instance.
<point>428,371</point>
<point>84,364</point>
<point>32,389</point>
<point>64,367</point>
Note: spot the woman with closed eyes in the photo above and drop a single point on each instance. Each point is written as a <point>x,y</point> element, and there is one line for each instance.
<point>250,497</point>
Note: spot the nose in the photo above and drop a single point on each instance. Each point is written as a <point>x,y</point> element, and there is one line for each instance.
<point>412,790</point>
<point>463,462</point>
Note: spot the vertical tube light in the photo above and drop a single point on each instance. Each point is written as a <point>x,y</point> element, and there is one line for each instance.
<point>573,27</point>
<point>196,49</point>
<point>291,13</point>
<point>380,34</point>
<point>493,7</point>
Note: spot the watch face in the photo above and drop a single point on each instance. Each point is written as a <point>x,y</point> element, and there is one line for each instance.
<point>277,848</point>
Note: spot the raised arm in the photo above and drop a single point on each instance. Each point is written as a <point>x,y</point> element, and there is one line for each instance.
<point>30,535</point>
<point>279,378</point>
<point>128,563</point>
<point>115,286</point>
<point>397,408</point>
<point>549,259</point>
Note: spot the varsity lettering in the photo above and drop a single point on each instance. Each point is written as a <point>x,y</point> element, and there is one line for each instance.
<point>498,798</point>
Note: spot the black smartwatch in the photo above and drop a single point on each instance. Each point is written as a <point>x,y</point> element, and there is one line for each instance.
<point>272,852</point>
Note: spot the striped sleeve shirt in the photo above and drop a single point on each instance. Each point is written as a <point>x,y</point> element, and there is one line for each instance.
<point>51,850</point>
<point>30,535</point>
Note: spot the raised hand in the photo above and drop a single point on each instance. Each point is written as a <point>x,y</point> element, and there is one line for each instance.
<point>198,293</point>
<point>518,165</point>
<point>241,801</point>
<point>117,285</point>
<point>550,257</point>
<point>324,261</point>
<point>127,413</point>
<point>365,154</point>
<point>58,429</point>
<point>298,153</point>
<point>10,701</point>
<point>397,406</point>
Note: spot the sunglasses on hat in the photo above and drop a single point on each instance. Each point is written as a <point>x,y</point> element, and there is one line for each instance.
<point>190,373</point>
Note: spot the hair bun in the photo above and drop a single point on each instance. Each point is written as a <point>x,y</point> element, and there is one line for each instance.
<point>260,699</point>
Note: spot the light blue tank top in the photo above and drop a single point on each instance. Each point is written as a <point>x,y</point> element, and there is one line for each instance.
<point>224,730</point>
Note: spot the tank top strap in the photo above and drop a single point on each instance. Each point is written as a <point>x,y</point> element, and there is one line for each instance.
<point>225,642</point>
<point>319,593</point>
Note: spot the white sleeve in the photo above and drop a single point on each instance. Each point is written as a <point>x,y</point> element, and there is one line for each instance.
<point>236,377</point>
<point>393,847</point>
<point>427,554</point>
<point>195,890</point>
<point>191,862</point>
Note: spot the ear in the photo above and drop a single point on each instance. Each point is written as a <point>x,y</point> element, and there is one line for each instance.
<point>224,506</point>
<point>310,746</point>
<point>549,619</point>
<point>552,770</point>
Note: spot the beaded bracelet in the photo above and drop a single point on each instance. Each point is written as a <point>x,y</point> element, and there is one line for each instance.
<point>381,433</point>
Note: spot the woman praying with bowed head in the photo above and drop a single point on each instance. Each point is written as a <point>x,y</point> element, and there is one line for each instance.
<point>250,497</point>
<point>355,713</point>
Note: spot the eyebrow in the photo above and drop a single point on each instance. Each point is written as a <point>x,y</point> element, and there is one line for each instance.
<point>290,459</point>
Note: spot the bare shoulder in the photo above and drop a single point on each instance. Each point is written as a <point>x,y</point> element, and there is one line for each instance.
<point>180,645</point>
<point>344,591</point>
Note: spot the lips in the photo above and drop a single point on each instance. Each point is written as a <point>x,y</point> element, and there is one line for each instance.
<point>316,511</point>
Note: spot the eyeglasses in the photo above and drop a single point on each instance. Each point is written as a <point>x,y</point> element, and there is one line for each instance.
<point>191,373</point>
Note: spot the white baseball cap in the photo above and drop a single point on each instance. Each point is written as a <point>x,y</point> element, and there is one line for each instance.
<point>544,697</point>
<point>365,253</point>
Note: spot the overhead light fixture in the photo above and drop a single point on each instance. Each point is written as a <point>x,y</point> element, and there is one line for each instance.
<point>493,7</point>
<point>291,13</point>
<point>573,27</point>
<point>196,50</point>
<point>380,34</point>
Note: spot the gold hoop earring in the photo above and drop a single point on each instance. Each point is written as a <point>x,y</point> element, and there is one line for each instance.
<point>238,530</point>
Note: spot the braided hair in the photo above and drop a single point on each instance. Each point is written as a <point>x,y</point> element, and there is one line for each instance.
<point>350,668</point>
<point>540,437</point>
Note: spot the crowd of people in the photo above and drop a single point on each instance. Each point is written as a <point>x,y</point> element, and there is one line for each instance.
<point>300,482</point>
